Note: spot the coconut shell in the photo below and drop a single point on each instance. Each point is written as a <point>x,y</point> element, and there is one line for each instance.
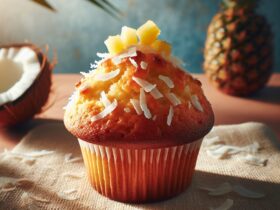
<point>34,98</point>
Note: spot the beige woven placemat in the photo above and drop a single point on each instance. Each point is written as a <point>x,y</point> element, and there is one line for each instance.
<point>47,172</point>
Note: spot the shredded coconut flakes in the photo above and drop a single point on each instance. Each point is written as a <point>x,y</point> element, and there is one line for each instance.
<point>8,189</point>
<point>167,81</point>
<point>156,93</point>
<point>106,102</point>
<point>143,104</point>
<point>107,76</point>
<point>131,52</point>
<point>196,103</point>
<point>173,99</point>
<point>126,109</point>
<point>170,115</point>
<point>108,110</point>
<point>103,55</point>
<point>73,175</point>
<point>136,105</point>
<point>133,62</point>
<point>64,196</point>
<point>143,65</point>
<point>226,188</point>
<point>70,191</point>
<point>219,150</point>
<point>147,86</point>
<point>68,158</point>
<point>244,192</point>
<point>254,160</point>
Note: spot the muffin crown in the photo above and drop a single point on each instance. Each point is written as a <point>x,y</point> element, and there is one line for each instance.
<point>138,96</point>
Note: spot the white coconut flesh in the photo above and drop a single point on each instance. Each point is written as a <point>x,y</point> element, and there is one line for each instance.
<point>19,68</point>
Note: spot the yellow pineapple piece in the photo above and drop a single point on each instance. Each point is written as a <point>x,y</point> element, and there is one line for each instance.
<point>114,44</point>
<point>148,32</point>
<point>129,36</point>
<point>162,47</point>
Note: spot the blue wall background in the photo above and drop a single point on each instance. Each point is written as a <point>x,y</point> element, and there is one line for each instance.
<point>78,29</point>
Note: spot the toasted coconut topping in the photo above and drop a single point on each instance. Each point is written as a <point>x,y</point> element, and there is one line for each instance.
<point>167,81</point>
<point>148,87</point>
<point>133,62</point>
<point>170,115</point>
<point>126,109</point>
<point>143,65</point>
<point>108,110</point>
<point>106,102</point>
<point>254,160</point>
<point>136,105</point>
<point>156,93</point>
<point>131,52</point>
<point>93,65</point>
<point>247,193</point>
<point>196,103</point>
<point>116,60</point>
<point>143,104</point>
<point>173,99</point>
<point>84,73</point>
<point>103,55</point>
<point>225,206</point>
<point>107,76</point>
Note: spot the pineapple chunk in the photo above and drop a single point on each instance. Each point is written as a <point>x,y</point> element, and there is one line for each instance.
<point>114,44</point>
<point>148,32</point>
<point>162,47</point>
<point>128,36</point>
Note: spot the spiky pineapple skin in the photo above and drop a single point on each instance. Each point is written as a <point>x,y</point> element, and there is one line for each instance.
<point>238,52</point>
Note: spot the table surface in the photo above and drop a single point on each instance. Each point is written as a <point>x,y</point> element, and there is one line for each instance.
<point>262,107</point>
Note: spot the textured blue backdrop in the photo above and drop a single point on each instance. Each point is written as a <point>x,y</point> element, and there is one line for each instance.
<point>78,29</point>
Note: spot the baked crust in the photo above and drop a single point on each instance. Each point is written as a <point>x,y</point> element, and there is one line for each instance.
<point>128,128</point>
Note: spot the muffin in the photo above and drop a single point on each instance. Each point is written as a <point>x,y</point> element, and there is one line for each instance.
<point>139,119</point>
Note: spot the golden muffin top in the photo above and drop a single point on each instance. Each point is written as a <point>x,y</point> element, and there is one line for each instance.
<point>138,93</point>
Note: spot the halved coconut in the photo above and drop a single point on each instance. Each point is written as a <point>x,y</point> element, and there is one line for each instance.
<point>25,81</point>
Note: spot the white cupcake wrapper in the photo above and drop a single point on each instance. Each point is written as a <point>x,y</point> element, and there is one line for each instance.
<point>140,175</point>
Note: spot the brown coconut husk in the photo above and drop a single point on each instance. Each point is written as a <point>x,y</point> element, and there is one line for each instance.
<point>35,97</point>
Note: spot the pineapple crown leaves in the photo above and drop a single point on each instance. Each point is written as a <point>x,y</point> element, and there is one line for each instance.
<point>238,4</point>
<point>102,4</point>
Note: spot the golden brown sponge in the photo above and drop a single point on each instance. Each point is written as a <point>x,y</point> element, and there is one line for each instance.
<point>139,98</point>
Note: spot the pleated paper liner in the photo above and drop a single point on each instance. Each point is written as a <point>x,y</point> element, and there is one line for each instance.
<point>140,175</point>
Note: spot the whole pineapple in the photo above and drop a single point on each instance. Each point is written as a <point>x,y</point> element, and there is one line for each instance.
<point>238,51</point>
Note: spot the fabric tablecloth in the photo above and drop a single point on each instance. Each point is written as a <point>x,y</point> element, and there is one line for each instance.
<point>49,173</point>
